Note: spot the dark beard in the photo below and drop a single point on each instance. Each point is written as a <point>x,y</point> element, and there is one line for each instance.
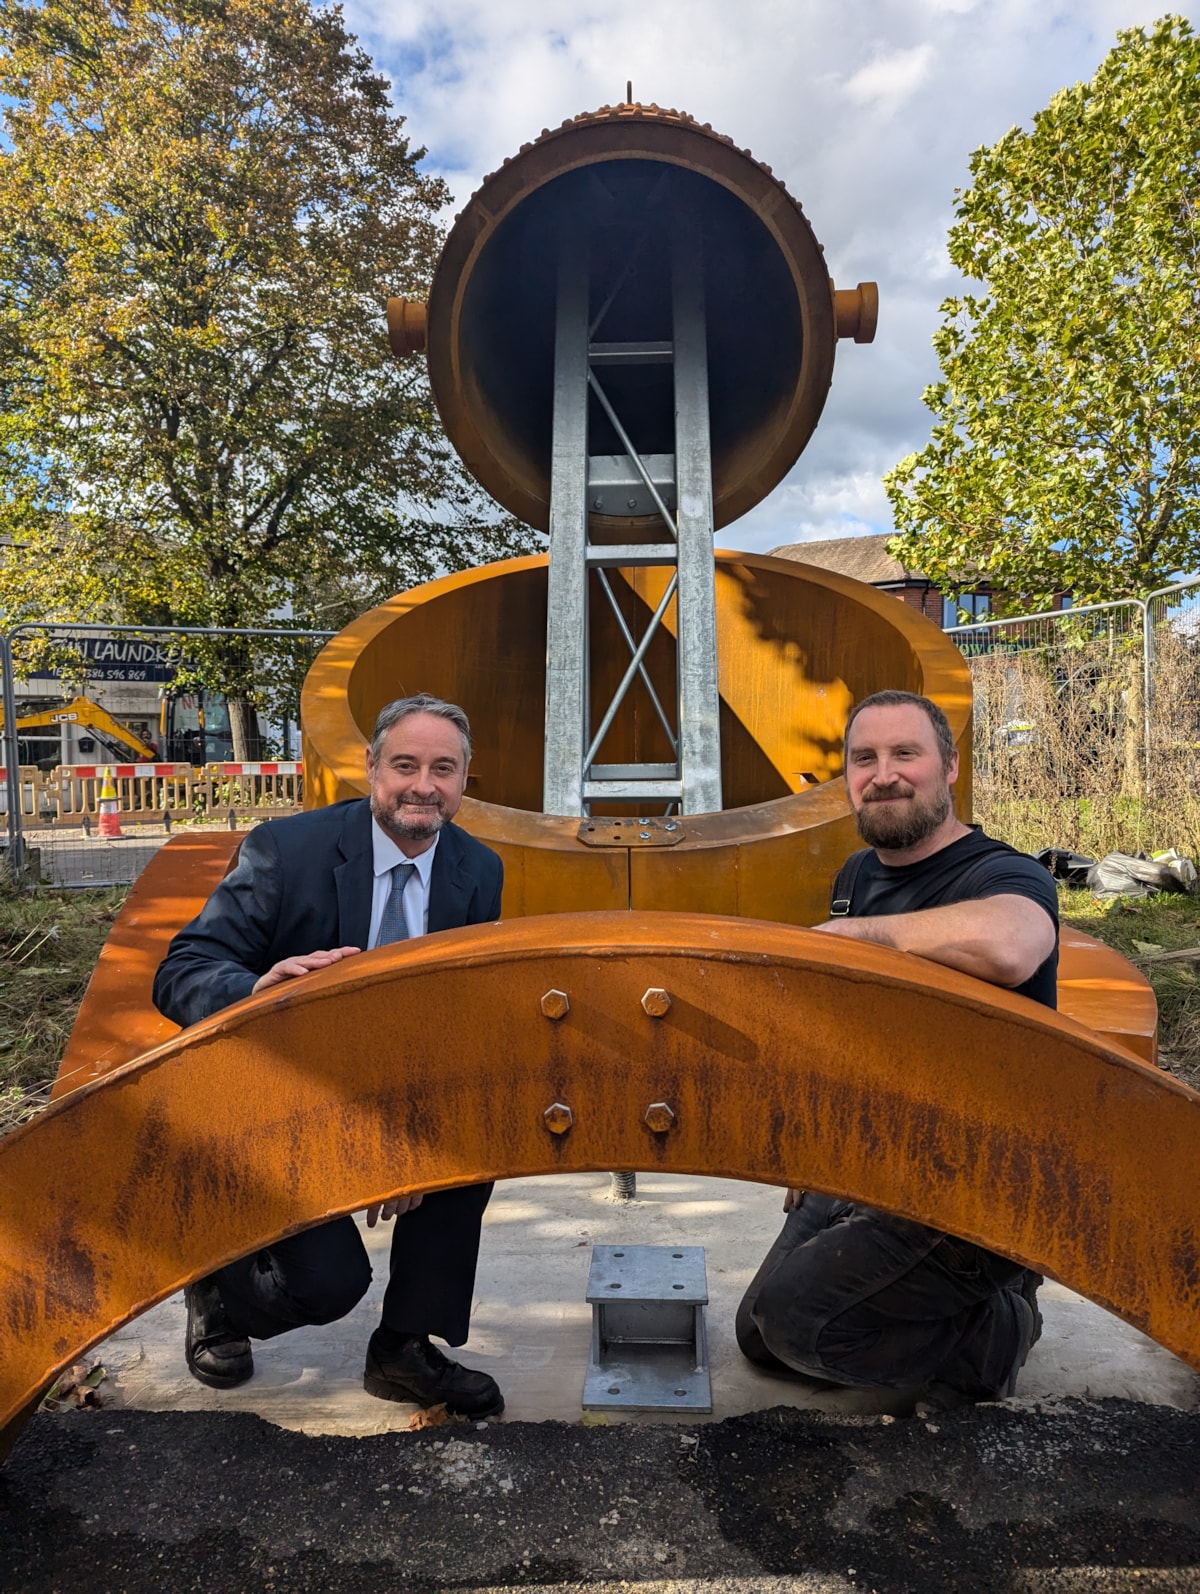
<point>895,828</point>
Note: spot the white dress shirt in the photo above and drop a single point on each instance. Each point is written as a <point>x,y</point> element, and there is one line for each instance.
<point>416,892</point>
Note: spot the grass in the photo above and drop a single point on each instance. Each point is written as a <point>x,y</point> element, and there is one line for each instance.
<point>1135,928</point>
<point>49,943</point>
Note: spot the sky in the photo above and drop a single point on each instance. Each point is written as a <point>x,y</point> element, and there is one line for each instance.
<point>867,109</point>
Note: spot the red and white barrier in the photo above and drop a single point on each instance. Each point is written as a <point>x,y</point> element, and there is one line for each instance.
<point>256,769</point>
<point>122,771</point>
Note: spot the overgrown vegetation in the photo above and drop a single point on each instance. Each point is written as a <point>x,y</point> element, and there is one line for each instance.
<point>1060,756</point>
<point>48,948</point>
<point>1142,931</point>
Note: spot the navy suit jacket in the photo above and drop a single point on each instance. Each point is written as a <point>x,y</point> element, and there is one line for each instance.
<point>303,884</point>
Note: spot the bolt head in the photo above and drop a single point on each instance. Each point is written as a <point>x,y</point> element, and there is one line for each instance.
<point>656,1002</point>
<point>558,1117</point>
<point>659,1117</point>
<point>556,1004</point>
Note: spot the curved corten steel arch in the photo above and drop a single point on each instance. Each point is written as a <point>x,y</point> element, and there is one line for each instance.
<point>540,1046</point>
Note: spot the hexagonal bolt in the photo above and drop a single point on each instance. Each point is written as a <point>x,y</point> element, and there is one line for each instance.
<point>657,1002</point>
<point>556,1004</point>
<point>558,1117</point>
<point>659,1117</point>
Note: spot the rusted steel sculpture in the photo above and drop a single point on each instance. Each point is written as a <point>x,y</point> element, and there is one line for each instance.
<point>797,648</point>
<point>1028,1134</point>
<point>117,1021</point>
<point>631,264</point>
<point>630,337</point>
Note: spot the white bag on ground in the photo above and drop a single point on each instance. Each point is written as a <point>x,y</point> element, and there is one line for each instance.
<point>1120,874</point>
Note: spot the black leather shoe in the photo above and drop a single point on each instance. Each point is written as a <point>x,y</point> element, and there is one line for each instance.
<point>1028,1288</point>
<point>215,1353</point>
<point>418,1371</point>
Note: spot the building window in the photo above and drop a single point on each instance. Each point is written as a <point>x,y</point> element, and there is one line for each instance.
<point>965,608</point>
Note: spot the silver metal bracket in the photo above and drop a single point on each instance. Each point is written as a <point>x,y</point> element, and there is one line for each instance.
<point>649,1342</point>
<point>631,832</point>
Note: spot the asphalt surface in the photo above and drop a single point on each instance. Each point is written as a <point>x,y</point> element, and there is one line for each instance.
<point>1011,1499</point>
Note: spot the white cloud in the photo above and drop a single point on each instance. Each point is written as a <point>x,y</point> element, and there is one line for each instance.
<point>868,110</point>
<point>891,79</point>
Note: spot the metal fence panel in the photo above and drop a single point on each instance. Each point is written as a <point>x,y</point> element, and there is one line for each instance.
<point>1087,722</point>
<point>1059,699</point>
<point>66,801</point>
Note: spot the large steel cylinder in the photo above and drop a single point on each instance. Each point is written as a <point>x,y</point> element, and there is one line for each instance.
<point>797,648</point>
<point>626,176</point>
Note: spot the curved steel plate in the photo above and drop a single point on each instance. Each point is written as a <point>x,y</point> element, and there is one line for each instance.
<point>786,1056</point>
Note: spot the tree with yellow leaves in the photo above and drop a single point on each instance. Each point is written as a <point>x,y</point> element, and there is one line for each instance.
<point>204,205</point>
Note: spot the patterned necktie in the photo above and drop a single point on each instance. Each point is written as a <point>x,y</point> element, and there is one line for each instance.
<point>392,926</point>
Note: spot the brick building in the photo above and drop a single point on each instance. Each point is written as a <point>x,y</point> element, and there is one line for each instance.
<point>867,559</point>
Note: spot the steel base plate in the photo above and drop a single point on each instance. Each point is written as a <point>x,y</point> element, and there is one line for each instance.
<point>649,1343</point>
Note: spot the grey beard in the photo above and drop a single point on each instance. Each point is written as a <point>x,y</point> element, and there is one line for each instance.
<point>895,830</point>
<point>394,824</point>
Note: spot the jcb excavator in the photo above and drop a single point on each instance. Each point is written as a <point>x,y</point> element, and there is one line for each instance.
<point>193,729</point>
<point>119,741</point>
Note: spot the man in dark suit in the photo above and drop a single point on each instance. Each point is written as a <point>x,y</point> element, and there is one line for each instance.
<point>307,892</point>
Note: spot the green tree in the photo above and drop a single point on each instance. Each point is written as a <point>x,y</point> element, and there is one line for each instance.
<point>204,205</point>
<point>1065,450</point>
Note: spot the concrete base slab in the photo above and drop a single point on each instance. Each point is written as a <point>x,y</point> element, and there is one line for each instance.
<point>531,1323</point>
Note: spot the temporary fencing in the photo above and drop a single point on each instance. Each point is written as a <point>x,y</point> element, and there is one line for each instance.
<point>64,811</point>
<point>1096,705</point>
<point>62,806</point>
<point>151,793</point>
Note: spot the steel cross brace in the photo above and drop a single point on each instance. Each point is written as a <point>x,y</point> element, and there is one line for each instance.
<point>573,779</point>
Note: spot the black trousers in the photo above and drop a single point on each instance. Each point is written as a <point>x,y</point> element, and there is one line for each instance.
<point>320,1275</point>
<point>859,1297</point>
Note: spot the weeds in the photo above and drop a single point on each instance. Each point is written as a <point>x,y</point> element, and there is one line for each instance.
<point>48,948</point>
<point>1165,923</point>
<point>1060,756</point>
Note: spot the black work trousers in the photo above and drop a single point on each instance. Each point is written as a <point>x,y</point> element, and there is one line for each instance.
<point>858,1297</point>
<point>323,1273</point>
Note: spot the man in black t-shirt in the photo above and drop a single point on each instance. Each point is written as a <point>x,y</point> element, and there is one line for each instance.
<point>846,1293</point>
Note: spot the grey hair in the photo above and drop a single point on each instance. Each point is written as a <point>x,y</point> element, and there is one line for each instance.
<point>392,713</point>
<point>895,699</point>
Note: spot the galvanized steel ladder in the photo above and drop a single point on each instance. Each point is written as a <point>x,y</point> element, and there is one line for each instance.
<point>679,488</point>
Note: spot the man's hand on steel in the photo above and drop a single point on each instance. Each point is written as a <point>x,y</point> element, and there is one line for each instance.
<point>392,1209</point>
<point>293,968</point>
<point>792,1199</point>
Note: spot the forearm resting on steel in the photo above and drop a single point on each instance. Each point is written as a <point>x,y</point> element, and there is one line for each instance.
<point>1002,939</point>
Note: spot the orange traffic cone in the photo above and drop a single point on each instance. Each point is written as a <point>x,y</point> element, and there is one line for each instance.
<point>110,814</point>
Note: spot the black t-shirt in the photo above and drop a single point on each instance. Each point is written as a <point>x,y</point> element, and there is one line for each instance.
<point>974,866</point>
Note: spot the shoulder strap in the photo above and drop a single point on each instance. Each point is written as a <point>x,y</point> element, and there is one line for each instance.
<point>843,885</point>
